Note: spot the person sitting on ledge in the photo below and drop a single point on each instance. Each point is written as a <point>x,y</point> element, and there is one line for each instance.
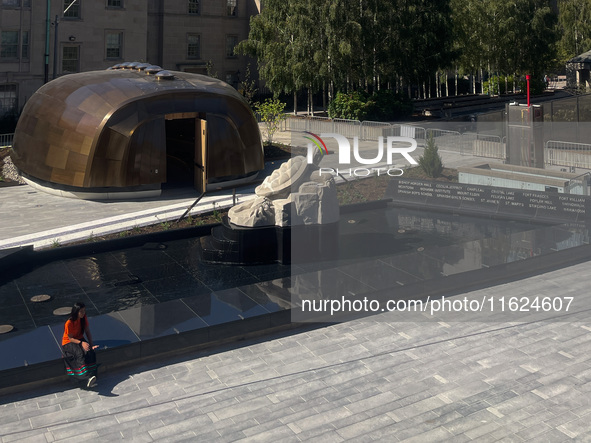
<point>79,355</point>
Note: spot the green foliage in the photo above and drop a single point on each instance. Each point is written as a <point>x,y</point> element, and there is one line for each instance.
<point>350,106</point>
<point>382,105</point>
<point>209,67</point>
<point>348,193</point>
<point>342,44</point>
<point>216,214</point>
<point>248,87</point>
<point>430,161</point>
<point>498,84</point>
<point>575,28</point>
<point>512,37</point>
<point>165,225</point>
<point>271,112</point>
<point>536,86</point>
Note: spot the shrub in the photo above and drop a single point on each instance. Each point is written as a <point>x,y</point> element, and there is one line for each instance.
<point>430,161</point>
<point>496,84</point>
<point>382,105</point>
<point>271,112</point>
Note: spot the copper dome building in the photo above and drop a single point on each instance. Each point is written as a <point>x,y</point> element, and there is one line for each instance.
<point>124,132</point>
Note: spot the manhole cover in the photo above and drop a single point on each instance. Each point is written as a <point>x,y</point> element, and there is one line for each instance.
<point>40,298</point>
<point>4,329</point>
<point>62,311</point>
<point>421,249</point>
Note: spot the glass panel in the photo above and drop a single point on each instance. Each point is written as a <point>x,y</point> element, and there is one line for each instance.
<point>115,3</point>
<point>11,3</point>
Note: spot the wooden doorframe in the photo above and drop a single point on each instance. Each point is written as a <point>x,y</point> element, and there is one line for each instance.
<point>200,152</point>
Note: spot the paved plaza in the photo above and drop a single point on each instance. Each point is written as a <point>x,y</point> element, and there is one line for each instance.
<point>373,379</point>
<point>388,377</point>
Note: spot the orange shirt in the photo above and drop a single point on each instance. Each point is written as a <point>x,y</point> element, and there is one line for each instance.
<point>74,329</point>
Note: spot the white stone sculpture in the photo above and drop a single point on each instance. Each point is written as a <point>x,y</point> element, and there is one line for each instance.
<point>294,194</point>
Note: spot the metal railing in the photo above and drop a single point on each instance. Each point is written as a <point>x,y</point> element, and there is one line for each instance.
<point>576,155</point>
<point>372,130</point>
<point>483,145</point>
<point>6,140</point>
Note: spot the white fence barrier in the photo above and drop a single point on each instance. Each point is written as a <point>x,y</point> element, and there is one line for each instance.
<point>558,153</point>
<point>577,155</point>
<point>483,145</point>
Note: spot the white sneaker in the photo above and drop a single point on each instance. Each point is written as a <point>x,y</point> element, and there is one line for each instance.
<point>91,382</point>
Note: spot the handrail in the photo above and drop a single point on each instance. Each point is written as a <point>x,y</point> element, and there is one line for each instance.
<point>190,207</point>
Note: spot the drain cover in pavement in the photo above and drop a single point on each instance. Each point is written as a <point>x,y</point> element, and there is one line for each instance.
<point>4,329</point>
<point>62,311</point>
<point>40,298</point>
<point>153,246</point>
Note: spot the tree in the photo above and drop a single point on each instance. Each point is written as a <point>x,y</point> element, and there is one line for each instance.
<point>430,161</point>
<point>509,37</point>
<point>345,45</point>
<point>575,28</point>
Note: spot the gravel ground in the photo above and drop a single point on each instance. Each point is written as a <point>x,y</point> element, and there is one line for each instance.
<point>9,171</point>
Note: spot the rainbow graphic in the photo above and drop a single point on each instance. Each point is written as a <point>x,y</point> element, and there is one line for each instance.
<point>322,151</point>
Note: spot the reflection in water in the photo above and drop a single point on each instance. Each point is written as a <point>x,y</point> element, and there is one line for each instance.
<point>380,249</point>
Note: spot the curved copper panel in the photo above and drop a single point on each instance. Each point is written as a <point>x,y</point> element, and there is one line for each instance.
<point>106,128</point>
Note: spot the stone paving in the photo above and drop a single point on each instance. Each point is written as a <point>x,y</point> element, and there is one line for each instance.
<point>373,379</point>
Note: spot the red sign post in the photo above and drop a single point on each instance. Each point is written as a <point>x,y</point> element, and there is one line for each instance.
<point>527,77</point>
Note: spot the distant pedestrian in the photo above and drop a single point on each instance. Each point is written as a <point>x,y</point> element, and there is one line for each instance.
<point>79,353</point>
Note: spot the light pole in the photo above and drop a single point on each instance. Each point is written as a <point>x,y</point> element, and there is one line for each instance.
<point>48,25</point>
<point>57,22</point>
<point>55,38</point>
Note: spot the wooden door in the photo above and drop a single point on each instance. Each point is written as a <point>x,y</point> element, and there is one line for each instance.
<point>200,154</point>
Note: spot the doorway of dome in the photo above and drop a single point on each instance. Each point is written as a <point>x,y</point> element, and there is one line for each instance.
<point>186,150</point>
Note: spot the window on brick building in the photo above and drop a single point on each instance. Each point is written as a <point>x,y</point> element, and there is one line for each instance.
<point>8,100</point>
<point>114,44</point>
<point>25,45</point>
<point>231,42</point>
<point>72,9</point>
<point>194,6</point>
<point>232,7</point>
<point>70,59</point>
<point>9,44</point>
<point>193,46</point>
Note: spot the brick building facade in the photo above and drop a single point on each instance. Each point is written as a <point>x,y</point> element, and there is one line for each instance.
<point>185,35</point>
